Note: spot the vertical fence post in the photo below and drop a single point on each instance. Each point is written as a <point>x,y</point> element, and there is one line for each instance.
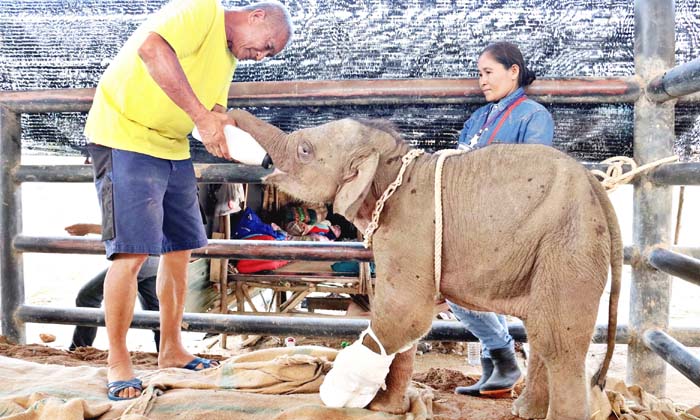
<point>654,47</point>
<point>11,273</point>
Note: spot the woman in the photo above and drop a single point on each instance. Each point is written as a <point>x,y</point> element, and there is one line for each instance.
<point>509,117</point>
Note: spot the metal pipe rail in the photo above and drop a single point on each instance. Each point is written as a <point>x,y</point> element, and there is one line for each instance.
<point>668,174</point>
<point>211,173</point>
<point>687,173</point>
<point>217,248</point>
<point>309,326</point>
<point>679,265</point>
<point>260,250</point>
<point>679,81</point>
<point>654,53</point>
<point>354,92</point>
<point>674,353</point>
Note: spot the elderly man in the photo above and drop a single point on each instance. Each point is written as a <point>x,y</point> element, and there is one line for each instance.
<point>171,75</point>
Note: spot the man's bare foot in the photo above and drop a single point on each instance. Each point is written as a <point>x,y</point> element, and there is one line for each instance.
<point>184,360</point>
<point>121,370</point>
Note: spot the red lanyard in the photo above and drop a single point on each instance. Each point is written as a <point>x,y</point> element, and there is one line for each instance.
<point>505,115</point>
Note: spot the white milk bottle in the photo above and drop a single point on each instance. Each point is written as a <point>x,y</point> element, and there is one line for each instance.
<point>242,147</point>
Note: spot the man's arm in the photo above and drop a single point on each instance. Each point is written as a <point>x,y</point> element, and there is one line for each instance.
<point>163,65</point>
<point>82,229</point>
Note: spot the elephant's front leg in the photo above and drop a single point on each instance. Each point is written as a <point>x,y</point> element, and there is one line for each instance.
<point>402,312</point>
<point>393,399</point>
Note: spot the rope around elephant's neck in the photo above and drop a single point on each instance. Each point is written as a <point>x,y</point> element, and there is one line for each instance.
<point>614,175</point>
<point>379,206</point>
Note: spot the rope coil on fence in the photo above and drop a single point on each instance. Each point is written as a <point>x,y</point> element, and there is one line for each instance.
<point>615,175</point>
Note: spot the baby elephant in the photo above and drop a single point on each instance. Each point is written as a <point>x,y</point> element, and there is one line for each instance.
<point>527,231</point>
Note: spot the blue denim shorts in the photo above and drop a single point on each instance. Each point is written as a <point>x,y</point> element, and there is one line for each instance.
<point>149,205</point>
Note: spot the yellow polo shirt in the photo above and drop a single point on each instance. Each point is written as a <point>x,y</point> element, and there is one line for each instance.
<point>131,112</point>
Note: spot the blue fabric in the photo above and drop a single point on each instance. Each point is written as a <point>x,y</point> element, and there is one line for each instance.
<point>529,122</point>
<point>490,328</point>
<point>153,203</point>
<point>350,267</point>
<point>250,224</point>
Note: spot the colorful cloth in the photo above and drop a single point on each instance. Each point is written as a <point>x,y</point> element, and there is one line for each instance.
<point>250,224</point>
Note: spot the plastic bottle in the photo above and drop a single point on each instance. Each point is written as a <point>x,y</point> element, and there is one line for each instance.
<point>242,147</point>
<point>474,353</point>
<point>290,342</point>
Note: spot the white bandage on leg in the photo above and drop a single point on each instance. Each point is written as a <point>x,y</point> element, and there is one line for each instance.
<point>357,374</point>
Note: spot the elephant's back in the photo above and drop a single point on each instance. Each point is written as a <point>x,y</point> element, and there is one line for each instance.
<point>501,203</point>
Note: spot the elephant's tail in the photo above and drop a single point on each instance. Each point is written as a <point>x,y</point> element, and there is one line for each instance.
<point>616,260</point>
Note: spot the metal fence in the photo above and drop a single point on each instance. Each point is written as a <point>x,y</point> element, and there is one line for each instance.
<point>653,91</point>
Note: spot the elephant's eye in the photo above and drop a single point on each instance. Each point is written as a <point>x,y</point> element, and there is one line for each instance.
<point>304,151</point>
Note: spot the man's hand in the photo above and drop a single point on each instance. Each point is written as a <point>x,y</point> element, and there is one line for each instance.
<point>82,229</point>
<point>211,125</point>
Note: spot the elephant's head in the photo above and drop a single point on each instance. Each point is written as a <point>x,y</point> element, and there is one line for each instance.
<point>337,162</point>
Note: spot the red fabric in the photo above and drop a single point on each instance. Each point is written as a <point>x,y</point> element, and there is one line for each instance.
<point>254,266</point>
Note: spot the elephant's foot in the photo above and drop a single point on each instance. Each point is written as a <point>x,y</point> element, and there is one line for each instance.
<point>388,403</point>
<point>527,408</point>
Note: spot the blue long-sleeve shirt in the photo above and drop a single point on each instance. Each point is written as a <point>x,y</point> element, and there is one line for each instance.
<point>529,122</point>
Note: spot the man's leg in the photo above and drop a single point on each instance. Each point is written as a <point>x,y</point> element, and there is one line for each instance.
<point>149,301</point>
<point>183,231</point>
<point>89,296</point>
<point>486,326</point>
<point>498,346</point>
<point>172,288</point>
<point>120,293</point>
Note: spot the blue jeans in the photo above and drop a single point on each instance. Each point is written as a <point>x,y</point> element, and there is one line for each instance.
<point>490,328</point>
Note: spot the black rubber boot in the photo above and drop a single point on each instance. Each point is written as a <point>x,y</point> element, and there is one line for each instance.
<point>473,390</point>
<point>506,372</point>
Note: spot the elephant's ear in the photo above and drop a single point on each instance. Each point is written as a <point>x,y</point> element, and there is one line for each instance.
<point>354,190</point>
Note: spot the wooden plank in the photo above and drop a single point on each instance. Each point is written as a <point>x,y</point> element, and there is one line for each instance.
<point>297,297</point>
<point>327,303</point>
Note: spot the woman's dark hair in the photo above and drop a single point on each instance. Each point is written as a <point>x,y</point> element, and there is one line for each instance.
<point>509,54</point>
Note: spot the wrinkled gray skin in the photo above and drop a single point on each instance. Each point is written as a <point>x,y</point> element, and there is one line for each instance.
<point>527,232</point>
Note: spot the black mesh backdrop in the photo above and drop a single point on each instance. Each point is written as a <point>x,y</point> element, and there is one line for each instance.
<point>67,44</point>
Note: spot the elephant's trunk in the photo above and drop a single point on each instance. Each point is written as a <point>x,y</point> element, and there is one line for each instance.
<point>271,138</point>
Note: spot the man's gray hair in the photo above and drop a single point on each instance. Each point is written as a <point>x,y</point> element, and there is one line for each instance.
<point>277,11</point>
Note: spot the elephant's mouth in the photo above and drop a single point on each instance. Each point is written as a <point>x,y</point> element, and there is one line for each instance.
<point>275,177</point>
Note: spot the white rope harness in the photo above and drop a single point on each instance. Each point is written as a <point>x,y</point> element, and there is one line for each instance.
<point>442,155</point>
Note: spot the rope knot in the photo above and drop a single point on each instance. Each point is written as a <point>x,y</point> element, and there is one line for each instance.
<point>615,174</point>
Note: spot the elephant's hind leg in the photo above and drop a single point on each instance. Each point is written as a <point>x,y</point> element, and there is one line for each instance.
<point>534,401</point>
<point>561,337</point>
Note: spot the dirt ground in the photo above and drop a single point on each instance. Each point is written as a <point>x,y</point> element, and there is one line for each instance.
<point>442,368</point>
<point>434,369</point>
